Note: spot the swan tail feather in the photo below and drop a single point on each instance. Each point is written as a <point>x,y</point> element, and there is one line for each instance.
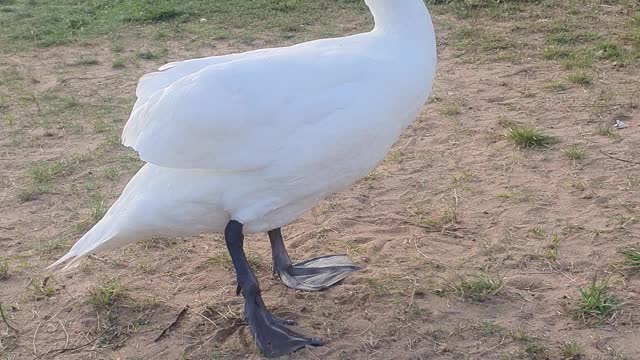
<point>95,240</point>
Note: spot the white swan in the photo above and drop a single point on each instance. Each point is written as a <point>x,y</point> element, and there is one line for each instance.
<point>248,142</point>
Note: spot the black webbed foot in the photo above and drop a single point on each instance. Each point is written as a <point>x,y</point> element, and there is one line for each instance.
<point>310,275</point>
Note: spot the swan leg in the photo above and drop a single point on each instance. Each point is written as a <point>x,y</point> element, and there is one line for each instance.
<point>272,335</point>
<point>310,275</point>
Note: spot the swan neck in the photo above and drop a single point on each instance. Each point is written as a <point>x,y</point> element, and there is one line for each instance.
<point>404,17</point>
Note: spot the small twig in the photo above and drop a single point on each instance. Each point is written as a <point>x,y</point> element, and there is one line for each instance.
<point>426,336</point>
<point>413,294</point>
<point>619,159</point>
<point>6,321</point>
<point>429,258</point>
<point>64,328</point>
<point>362,333</point>
<point>35,351</point>
<point>206,318</point>
<point>173,323</point>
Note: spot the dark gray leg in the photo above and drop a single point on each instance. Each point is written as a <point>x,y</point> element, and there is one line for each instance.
<point>272,335</point>
<point>311,275</point>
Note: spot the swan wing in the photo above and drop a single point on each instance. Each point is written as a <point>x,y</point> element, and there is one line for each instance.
<point>237,115</point>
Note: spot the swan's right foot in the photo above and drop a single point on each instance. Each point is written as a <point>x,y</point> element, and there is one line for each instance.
<point>272,334</point>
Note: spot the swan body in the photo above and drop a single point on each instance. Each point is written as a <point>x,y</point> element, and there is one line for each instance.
<point>260,137</point>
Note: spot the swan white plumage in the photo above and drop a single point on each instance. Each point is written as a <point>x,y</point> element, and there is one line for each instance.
<point>260,137</point>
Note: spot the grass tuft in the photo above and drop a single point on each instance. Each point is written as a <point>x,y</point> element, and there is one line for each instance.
<point>480,288</point>
<point>119,63</point>
<point>574,152</point>
<point>580,79</point>
<point>451,109</point>
<point>604,129</point>
<point>106,295</point>
<point>552,253</point>
<point>31,193</point>
<point>86,61</point>
<point>43,173</point>
<point>99,208</point>
<point>526,137</point>
<point>595,301</point>
<point>571,350</point>
<point>51,246</point>
<point>611,51</point>
<point>41,289</point>
<point>632,257</point>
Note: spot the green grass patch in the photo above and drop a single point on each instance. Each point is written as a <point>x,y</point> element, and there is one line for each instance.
<point>107,294</point>
<point>99,208</point>
<point>578,60</point>
<point>563,36</point>
<point>42,173</point>
<point>28,23</point>
<point>632,257</point>
<point>40,289</point>
<point>557,53</point>
<point>86,61</point>
<point>478,288</point>
<point>580,78</point>
<point>532,347</point>
<point>557,85</point>
<point>31,193</point>
<point>595,301</point>
<point>151,55</point>
<point>451,109</point>
<point>526,137</point>
<point>552,253</point>
<point>571,350</point>
<point>604,129</point>
<point>609,50</point>
<point>574,152</point>
<point>51,246</point>
<point>119,63</point>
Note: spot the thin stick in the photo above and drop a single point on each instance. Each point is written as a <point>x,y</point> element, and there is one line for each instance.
<point>426,336</point>
<point>35,351</point>
<point>428,258</point>
<point>413,294</point>
<point>64,328</point>
<point>173,323</point>
<point>619,159</point>
<point>206,318</point>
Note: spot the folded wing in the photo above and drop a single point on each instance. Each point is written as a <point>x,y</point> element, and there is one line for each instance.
<point>237,115</point>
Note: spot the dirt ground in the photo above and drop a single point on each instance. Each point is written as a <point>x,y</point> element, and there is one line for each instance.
<point>470,247</point>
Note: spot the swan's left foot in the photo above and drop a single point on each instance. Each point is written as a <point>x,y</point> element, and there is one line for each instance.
<point>311,275</point>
